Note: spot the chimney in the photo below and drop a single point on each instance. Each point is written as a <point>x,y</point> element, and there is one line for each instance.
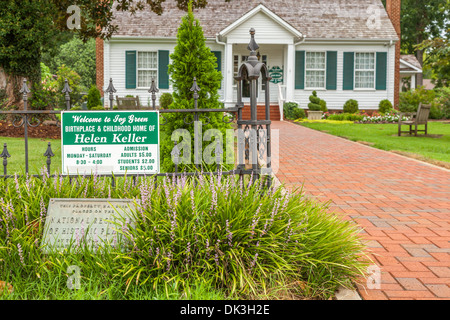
<point>393,8</point>
<point>99,64</point>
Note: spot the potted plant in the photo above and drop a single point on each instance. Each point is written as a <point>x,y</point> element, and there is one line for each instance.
<point>314,109</point>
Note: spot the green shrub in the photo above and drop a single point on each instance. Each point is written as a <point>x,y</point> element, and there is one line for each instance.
<point>291,111</point>
<point>314,104</point>
<point>100,108</point>
<point>76,108</point>
<point>42,98</point>
<point>234,235</point>
<point>442,101</point>
<point>94,97</point>
<point>345,117</point>
<point>435,112</point>
<point>165,100</point>
<point>409,100</point>
<point>384,106</point>
<point>323,105</point>
<point>74,80</point>
<point>351,106</point>
<point>192,58</point>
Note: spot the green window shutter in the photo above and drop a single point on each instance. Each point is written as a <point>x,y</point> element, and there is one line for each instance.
<point>331,70</point>
<point>130,69</point>
<point>163,69</point>
<point>299,69</point>
<point>218,55</point>
<point>349,67</point>
<point>381,71</point>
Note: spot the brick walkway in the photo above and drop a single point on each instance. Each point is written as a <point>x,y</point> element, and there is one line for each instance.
<point>402,204</point>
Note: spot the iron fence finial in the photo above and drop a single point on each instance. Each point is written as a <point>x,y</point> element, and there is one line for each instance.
<point>111,90</point>
<point>25,91</point>
<point>252,46</point>
<point>49,152</point>
<point>66,88</point>
<point>195,88</point>
<point>153,90</point>
<point>5,153</point>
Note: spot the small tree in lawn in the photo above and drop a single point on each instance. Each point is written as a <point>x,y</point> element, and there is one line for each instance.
<point>192,58</point>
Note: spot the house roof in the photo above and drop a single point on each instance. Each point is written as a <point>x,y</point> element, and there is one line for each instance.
<point>320,19</point>
<point>409,62</point>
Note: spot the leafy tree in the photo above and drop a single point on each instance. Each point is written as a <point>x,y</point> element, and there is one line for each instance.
<point>191,58</point>
<point>438,59</point>
<point>78,56</point>
<point>24,27</point>
<point>421,20</point>
<point>94,97</point>
<point>28,26</point>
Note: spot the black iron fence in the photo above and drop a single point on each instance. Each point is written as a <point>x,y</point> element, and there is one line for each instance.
<point>253,136</point>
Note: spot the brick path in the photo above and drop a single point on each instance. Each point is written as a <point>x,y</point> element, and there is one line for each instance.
<point>402,204</point>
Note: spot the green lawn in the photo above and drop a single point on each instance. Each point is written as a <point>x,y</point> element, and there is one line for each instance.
<point>36,150</point>
<point>384,136</point>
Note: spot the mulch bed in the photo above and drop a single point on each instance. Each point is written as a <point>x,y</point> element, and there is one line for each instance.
<point>43,131</point>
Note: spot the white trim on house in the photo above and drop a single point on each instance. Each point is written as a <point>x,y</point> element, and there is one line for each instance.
<point>409,73</point>
<point>258,9</point>
<point>417,70</point>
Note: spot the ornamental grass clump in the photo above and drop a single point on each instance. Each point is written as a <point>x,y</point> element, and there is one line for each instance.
<point>234,236</point>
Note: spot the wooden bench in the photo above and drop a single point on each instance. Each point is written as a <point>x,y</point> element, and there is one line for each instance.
<point>128,103</point>
<point>418,118</point>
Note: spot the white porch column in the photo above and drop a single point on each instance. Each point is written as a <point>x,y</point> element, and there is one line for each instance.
<point>289,69</point>
<point>228,75</point>
<point>413,81</point>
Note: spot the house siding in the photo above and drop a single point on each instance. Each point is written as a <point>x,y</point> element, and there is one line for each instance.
<point>367,99</point>
<point>267,31</point>
<point>114,62</point>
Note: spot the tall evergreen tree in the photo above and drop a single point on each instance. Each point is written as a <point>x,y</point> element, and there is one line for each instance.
<point>192,59</point>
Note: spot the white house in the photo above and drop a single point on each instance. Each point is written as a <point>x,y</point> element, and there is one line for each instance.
<point>343,49</point>
<point>409,69</point>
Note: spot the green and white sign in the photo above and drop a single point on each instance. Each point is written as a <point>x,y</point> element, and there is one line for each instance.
<point>108,142</point>
<point>276,73</point>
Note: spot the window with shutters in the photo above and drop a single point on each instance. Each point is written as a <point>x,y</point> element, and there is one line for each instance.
<point>147,68</point>
<point>364,70</point>
<point>315,70</point>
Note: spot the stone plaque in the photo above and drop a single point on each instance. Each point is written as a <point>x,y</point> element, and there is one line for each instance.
<point>75,223</point>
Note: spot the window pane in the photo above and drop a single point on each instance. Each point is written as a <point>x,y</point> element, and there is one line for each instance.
<point>364,61</point>
<point>315,79</point>
<point>315,69</point>
<point>315,60</point>
<point>145,77</point>
<point>364,79</point>
<point>147,60</point>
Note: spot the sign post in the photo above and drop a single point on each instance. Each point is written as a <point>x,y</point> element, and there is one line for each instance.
<point>110,142</point>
